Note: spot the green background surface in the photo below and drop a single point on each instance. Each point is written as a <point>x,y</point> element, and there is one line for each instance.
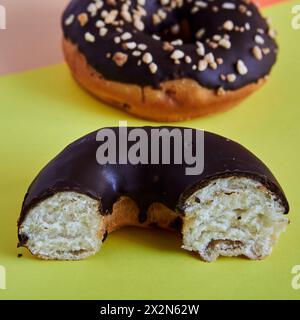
<point>43,110</point>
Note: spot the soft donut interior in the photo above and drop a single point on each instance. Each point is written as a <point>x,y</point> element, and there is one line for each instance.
<point>228,217</point>
<point>232,217</point>
<point>66,226</point>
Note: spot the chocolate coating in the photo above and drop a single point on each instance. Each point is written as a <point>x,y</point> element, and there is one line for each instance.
<point>76,169</point>
<point>250,30</point>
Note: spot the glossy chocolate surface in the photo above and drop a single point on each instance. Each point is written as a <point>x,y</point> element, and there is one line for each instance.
<point>250,30</point>
<point>76,169</point>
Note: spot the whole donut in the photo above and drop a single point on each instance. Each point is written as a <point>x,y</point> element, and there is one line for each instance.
<point>168,60</point>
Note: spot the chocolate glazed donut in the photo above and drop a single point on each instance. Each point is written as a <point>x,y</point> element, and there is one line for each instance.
<point>168,60</point>
<point>234,207</point>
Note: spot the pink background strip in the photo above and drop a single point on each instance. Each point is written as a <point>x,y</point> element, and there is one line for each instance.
<point>32,38</point>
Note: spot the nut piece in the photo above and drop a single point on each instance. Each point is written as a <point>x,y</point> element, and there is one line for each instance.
<point>241,67</point>
<point>228,25</point>
<point>89,37</point>
<point>225,43</point>
<point>147,58</point>
<point>69,20</point>
<point>120,58</point>
<point>83,19</point>
<point>202,65</point>
<point>177,54</point>
<point>231,77</point>
<point>167,46</point>
<point>257,53</point>
<point>153,67</point>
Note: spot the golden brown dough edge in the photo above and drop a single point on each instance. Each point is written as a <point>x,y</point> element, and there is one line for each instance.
<point>176,100</point>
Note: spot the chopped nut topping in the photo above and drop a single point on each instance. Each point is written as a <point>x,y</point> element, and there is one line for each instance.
<point>261,31</point>
<point>111,2</point>
<point>83,19</point>
<point>177,54</point>
<point>228,5</point>
<point>136,53</point>
<point>213,45</point>
<point>194,10</point>
<point>213,65</point>
<point>241,67</point>
<point>167,46</point>
<point>104,13</point>
<point>231,77</point>
<point>257,53</point>
<point>220,61</point>
<point>117,40</point>
<point>228,25</point>
<point>69,20</point>
<point>126,36</point>
<point>221,91</point>
<point>142,46</point>
<point>242,8</point>
<point>153,67</point>
<point>120,58</point>
<point>177,42</point>
<point>259,39</point>
<point>188,59</point>
<point>89,37</point>
<point>266,51</point>
<point>103,31</point>
<point>225,43</point>
<point>209,58</point>
<point>126,16</point>
<point>139,25</point>
<point>200,33</point>
<point>175,29</point>
<point>100,24</point>
<point>156,19</point>
<point>217,37</point>
<point>223,77</point>
<point>272,33</point>
<point>202,65</point>
<point>201,4</point>
<point>147,58</point>
<point>129,45</point>
<point>111,16</point>
<point>200,48</point>
<point>92,9</point>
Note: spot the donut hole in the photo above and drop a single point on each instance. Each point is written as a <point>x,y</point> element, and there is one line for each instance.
<point>180,30</point>
<point>233,217</point>
<point>65,226</point>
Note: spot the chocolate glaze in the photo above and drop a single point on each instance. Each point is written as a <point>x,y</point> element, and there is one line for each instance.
<point>76,169</point>
<point>242,44</point>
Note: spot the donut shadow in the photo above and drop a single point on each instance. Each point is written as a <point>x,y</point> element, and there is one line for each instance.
<point>55,86</point>
<point>153,238</point>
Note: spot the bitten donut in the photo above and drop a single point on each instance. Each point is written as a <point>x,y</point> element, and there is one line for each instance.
<point>168,60</point>
<point>234,207</point>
